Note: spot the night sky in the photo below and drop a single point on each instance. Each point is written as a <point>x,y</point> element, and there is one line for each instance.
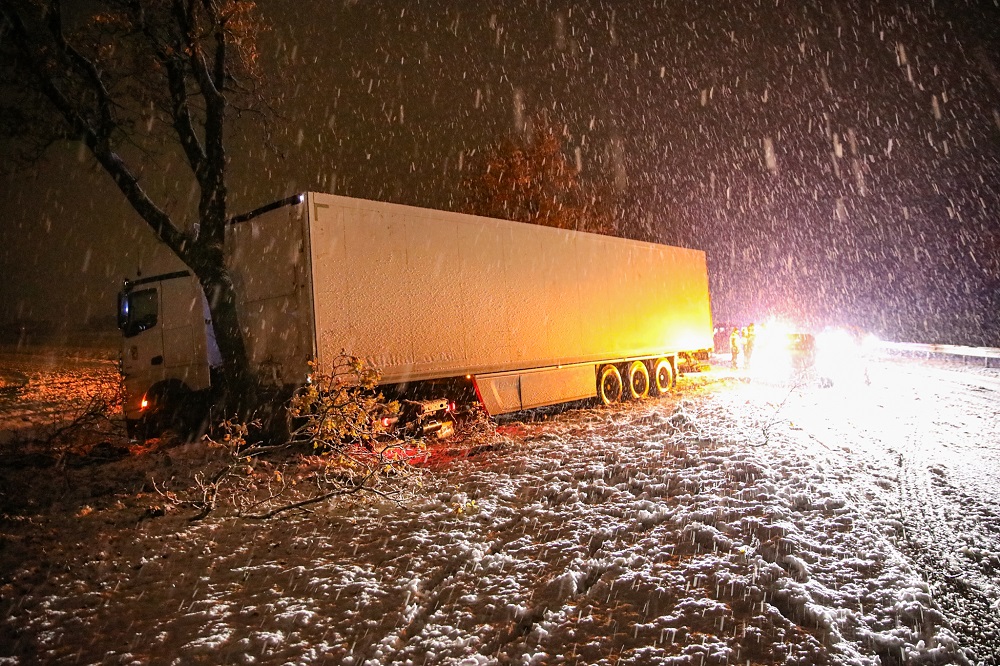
<point>837,161</point>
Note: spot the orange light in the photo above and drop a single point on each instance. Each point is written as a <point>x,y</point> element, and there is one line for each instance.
<point>145,404</point>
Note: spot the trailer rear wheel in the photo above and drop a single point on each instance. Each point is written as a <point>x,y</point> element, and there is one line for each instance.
<point>663,376</point>
<point>609,385</point>
<point>638,380</point>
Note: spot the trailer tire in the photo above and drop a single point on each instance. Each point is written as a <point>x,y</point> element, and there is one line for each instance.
<point>638,380</point>
<point>663,376</point>
<point>609,385</point>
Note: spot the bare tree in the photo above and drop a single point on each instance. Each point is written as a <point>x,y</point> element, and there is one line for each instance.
<point>127,77</point>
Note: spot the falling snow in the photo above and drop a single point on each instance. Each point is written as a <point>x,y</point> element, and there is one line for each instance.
<point>859,139</point>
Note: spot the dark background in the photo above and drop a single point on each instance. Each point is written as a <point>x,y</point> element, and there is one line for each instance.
<point>837,161</point>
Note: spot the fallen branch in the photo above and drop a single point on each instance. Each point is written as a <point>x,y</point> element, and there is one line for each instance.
<point>340,447</point>
<point>766,430</point>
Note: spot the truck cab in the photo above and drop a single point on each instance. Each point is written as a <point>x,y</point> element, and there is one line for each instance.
<point>167,346</point>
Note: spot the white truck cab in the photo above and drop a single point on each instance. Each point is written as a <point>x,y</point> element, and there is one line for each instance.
<point>168,347</point>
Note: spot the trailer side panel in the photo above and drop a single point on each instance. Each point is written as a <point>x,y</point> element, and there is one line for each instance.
<point>425,294</point>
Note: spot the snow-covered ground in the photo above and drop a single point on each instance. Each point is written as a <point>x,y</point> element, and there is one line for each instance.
<point>44,386</point>
<point>733,522</point>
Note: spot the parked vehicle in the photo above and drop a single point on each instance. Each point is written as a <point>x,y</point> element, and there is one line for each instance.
<point>520,315</point>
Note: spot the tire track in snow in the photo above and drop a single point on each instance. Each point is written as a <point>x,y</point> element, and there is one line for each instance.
<point>912,446</point>
<point>951,534</point>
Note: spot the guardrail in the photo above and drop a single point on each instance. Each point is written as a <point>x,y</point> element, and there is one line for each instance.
<point>987,357</point>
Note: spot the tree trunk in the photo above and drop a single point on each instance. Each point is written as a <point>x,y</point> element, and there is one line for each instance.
<point>238,391</point>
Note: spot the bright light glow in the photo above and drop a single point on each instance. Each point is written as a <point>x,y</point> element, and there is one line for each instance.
<point>771,357</point>
<point>871,343</point>
<point>145,404</point>
<point>841,357</point>
<point>783,353</point>
<point>833,347</point>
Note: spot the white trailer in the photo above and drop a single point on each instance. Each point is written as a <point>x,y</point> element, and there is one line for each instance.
<point>529,315</point>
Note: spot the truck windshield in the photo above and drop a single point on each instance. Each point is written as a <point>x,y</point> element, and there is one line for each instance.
<point>137,311</point>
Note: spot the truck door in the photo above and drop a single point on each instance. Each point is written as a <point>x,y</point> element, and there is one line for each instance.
<point>182,327</point>
<point>142,341</point>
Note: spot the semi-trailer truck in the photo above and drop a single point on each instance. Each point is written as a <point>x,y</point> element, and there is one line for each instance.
<point>524,315</point>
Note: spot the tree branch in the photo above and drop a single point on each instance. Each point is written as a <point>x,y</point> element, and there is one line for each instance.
<point>180,111</point>
<point>317,499</point>
<point>199,68</point>
<point>182,124</point>
<point>212,204</point>
<point>97,141</point>
<point>87,66</point>
<point>219,73</point>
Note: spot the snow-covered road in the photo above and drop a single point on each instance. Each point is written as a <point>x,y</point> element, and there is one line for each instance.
<point>733,522</point>
<point>932,431</point>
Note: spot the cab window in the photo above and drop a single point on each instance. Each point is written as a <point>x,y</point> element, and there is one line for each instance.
<point>138,311</point>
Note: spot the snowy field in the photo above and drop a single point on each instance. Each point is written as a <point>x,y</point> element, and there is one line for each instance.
<point>45,386</point>
<point>734,522</point>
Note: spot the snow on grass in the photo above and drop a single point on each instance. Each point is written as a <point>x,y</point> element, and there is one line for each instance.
<point>699,530</point>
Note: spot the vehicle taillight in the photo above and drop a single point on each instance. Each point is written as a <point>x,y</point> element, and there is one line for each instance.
<point>451,407</point>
